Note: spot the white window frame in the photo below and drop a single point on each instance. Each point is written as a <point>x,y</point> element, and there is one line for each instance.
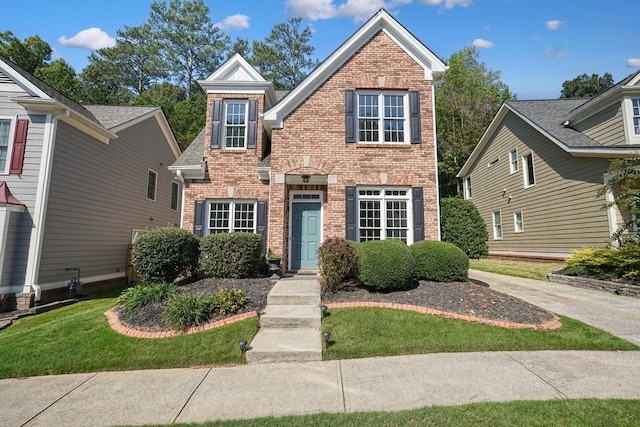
<point>232,211</point>
<point>518,222</point>
<point>383,198</point>
<point>525,170</point>
<point>628,118</point>
<point>11,136</point>
<point>497,226</point>
<point>226,126</point>
<point>405,119</point>
<point>175,185</point>
<point>155,184</point>
<point>513,161</point>
<point>468,193</point>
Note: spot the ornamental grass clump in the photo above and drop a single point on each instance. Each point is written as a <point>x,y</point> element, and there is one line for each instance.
<point>338,263</point>
<point>385,265</point>
<point>185,310</point>
<point>439,261</point>
<point>142,295</point>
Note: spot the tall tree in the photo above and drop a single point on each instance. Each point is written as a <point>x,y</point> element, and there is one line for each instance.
<point>466,101</point>
<point>101,84</point>
<point>585,86</point>
<point>240,46</point>
<point>29,54</point>
<point>62,77</point>
<point>286,55</point>
<point>192,47</point>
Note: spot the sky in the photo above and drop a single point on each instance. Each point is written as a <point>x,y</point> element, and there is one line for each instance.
<point>536,45</point>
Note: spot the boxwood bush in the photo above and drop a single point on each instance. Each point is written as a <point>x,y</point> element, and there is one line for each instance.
<point>164,253</point>
<point>462,225</point>
<point>231,255</point>
<point>338,263</point>
<point>439,261</point>
<point>384,265</point>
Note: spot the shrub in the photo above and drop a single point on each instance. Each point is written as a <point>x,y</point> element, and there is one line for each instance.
<point>606,263</point>
<point>462,225</point>
<point>385,265</point>
<point>185,310</point>
<point>338,262</point>
<point>164,253</point>
<point>229,301</point>
<point>231,255</point>
<point>439,261</point>
<point>142,295</point>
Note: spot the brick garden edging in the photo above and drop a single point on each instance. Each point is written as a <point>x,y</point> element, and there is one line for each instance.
<point>551,324</point>
<point>597,285</point>
<point>115,324</point>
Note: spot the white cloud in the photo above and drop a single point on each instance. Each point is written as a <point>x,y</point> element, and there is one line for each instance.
<point>556,53</point>
<point>234,22</point>
<point>92,38</point>
<point>448,4</point>
<point>554,25</point>
<point>359,10</point>
<point>633,62</point>
<point>482,43</point>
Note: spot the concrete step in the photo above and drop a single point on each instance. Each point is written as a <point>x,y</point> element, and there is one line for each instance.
<point>274,345</point>
<point>294,291</point>
<point>290,316</point>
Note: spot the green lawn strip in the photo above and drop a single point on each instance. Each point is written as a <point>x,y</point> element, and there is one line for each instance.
<point>565,413</point>
<point>77,338</point>
<point>371,332</point>
<point>529,270</point>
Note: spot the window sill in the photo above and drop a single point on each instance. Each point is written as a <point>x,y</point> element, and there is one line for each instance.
<point>391,145</point>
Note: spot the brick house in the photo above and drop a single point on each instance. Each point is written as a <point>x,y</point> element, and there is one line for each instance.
<point>350,152</point>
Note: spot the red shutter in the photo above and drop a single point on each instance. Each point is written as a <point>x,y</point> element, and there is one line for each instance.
<point>19,142</point>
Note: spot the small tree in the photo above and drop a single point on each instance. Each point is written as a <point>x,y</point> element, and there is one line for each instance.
<point>462,225</point>
<point>624,184</point>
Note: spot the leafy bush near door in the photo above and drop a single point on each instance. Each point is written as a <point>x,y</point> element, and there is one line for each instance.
<point>165,253</point>
<point>385,265</point>
<point>462,225</point>
<point>231,255</point>
<point>338,263</point>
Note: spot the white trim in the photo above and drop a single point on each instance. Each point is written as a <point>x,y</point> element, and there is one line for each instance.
<point>513,169</point>
<point>232,202</point>
<point>382,197</point>
<point>515,222</point>
<point>12,130</point>
<point>291,202</point>
<point>225,104</point>
<point>627,118</point>
<point>612,217</point>
<point>467,187</point>
<point>155,186</point>
<point>406,118</point>
<point>42,199</point>
<point>135,232</point>
<point>435,160</point>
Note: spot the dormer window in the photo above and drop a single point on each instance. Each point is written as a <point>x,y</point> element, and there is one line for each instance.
<point>235,124</point>
<point>631,115</point>
<point>635,104</point>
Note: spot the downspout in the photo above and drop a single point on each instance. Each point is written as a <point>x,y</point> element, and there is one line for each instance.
<point>35,245</point>
<point>184,190</point>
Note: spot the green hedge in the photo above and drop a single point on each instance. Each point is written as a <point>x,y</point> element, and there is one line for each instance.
<point>606,263</point>
<point>462,225</point>
<point>231,255</point>
<point>164,253</point>
<point>439,261</point>
<point>338,262</point>
<point>385,265</point>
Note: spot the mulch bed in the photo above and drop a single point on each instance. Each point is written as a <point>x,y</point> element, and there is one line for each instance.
<point>465,298</point>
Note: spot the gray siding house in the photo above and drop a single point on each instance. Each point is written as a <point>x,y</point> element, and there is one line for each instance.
<point>76,184</point>
<point>535,173</point>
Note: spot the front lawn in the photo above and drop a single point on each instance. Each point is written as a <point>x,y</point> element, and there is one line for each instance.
<point>528,270</point>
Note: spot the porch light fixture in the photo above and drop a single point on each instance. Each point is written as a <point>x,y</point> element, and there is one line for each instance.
<point>243,345</point>
<point>323,309</point>
<point>306,178</point>
<point>326,335</point>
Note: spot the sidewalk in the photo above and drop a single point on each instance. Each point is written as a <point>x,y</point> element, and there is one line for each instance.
<point>374,384</point>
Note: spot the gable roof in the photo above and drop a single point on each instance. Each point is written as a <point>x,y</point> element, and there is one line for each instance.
<point>548,117</point>
<point>381,21</point>
<point>111,116</point>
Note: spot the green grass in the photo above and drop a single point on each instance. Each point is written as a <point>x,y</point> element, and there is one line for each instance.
<point>369,332</point>
<point>529,270</point>
<point>77,338</point>
<point>565,413</point>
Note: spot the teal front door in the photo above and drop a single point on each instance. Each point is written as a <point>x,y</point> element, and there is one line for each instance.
<point>305,235</point>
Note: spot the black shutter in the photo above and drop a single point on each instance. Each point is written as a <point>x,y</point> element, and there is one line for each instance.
<point>418,214</point>
<point>350,116</point>
<point>216,125</point>
<point>350,213</point>
<point>198,220</point>
<point>261,226</point>
<point>252,136</point>
<point>414,113</point>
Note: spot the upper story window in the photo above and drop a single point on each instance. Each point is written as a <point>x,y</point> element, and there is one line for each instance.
<point>631,117</point>
<point>527,170</point>
<point>384,214</point>
<point>175,195</point>
<point>235,124</point>
<point>152,178</point>
<point>513,161</point>
<point>382,117</point>
<point>232,216</point>
<point>635,106</point>
<point>467,187</point>
<point>5,144</point>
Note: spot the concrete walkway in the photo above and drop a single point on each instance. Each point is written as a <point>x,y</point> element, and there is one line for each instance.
<point>374,384</point>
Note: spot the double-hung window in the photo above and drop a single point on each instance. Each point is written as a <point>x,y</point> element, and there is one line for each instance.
<point>5,144</point>
<point>152,180</point>
<point>235,124</point>
<point>384,214</point>
<point>527,170</point>
<point>467,187</point>
<point>497,225</point>
<point>175,195</point>
<point>518,223</point>
<point>513,161</point>
<point>382,117</point>
<point>635,114</point>
<point>232,216</point>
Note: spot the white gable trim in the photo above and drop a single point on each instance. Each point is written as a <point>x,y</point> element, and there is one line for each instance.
<point>22,81</point>
<point>381,21</point>
<point>235,68</point>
